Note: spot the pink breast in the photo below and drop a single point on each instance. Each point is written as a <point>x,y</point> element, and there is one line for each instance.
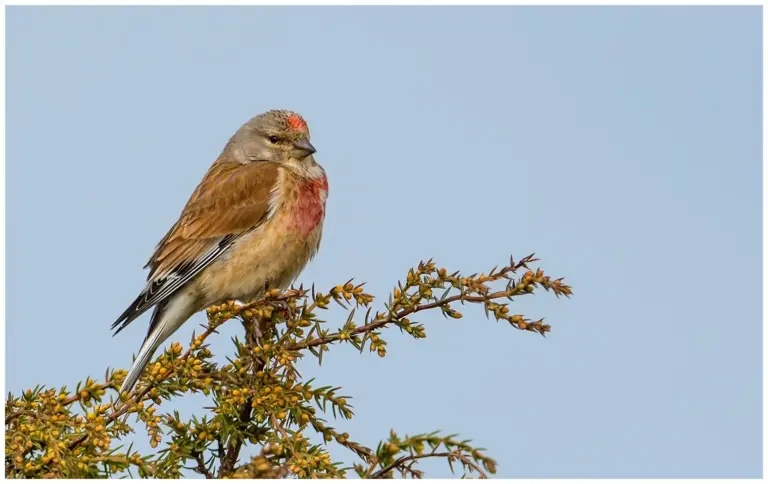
<point>310,205</point>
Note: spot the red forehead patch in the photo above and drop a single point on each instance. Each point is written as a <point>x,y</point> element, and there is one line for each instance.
<point>297,122</point>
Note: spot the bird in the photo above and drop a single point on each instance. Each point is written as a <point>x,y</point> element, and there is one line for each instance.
<point>251,225</point>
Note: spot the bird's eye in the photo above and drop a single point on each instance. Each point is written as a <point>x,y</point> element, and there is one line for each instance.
<point>273,139</point>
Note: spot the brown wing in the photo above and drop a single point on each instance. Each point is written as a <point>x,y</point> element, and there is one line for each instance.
<point>231,199</point>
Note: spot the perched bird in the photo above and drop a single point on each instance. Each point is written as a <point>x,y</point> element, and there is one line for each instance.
<point>252,224</point>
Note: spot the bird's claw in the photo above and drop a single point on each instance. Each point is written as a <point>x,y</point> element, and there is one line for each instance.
<point>282,308</point>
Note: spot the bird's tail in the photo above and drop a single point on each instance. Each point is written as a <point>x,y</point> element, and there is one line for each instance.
<point>167,317</point>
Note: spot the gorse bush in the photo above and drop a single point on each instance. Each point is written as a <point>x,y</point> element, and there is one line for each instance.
<point>259,401</point>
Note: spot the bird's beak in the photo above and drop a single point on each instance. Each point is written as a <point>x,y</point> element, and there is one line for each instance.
<point>303,148</point>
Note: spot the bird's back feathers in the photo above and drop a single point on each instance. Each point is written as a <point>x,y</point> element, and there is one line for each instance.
<point>231,200</point>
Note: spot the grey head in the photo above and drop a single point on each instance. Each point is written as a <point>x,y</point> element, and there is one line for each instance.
<point>277,136</point>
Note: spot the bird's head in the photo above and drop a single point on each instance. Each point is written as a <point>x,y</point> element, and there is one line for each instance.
<point>278,136</point>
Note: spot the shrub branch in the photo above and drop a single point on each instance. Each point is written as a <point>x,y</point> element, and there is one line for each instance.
<point>260,402</point>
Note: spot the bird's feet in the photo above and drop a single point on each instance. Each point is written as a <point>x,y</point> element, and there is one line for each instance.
<point>282,308</point>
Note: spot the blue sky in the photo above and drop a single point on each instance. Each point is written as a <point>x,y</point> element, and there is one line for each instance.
<point>622,145</point>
